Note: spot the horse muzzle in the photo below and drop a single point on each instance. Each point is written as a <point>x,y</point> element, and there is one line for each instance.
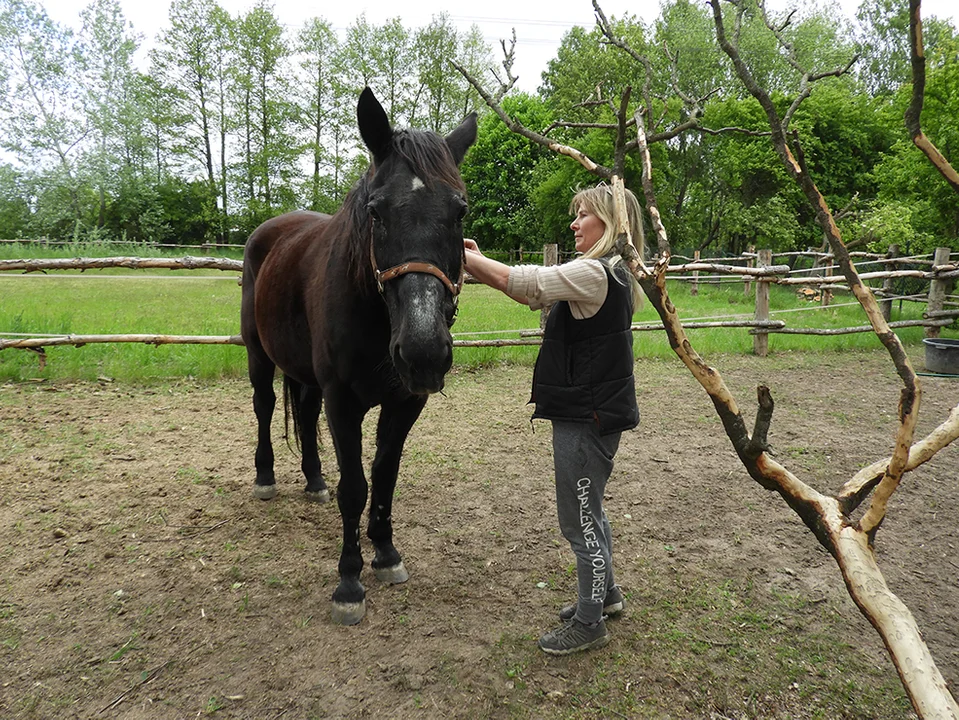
<point>422,364</point>
<point>421,346</point>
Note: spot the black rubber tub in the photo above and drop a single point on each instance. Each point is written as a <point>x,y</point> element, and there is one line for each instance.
<point>942,355</point>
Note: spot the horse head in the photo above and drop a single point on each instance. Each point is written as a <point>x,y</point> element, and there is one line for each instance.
<point>416,205</point>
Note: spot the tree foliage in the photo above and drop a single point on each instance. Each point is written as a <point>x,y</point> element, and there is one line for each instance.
<point>261,115</point>
<point>237,118</point>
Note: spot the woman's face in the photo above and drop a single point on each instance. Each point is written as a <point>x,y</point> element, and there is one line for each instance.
<point>587,230</point>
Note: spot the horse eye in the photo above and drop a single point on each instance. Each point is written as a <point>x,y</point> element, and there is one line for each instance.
<point>461,212</point>
<point>373,213</point>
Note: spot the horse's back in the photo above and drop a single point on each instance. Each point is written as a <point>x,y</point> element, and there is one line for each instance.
<point>281,232</point>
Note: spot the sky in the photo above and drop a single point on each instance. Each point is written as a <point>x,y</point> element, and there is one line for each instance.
<point>539,24</point>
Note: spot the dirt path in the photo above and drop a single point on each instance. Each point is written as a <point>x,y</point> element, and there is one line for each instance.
<point>141,579</point>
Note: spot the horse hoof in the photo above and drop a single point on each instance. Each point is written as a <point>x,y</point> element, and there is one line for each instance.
<point>348,613</point>
<point>264,492</point>
<point>393,575</point>
<point>320,496</point>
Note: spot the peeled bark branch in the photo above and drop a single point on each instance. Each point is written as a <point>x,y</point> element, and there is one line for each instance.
<point>81,340</point>
<point>135,263</point>
<point>652,207</point>
<point>857,489</point>
<point>520,129</point>
<point>849,542</point>
<point>914,111</point>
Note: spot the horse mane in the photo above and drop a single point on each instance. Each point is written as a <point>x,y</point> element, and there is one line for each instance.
<point>430,159</point>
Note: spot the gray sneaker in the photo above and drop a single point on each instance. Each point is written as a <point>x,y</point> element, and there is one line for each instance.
<point>574,636</point>
<point>612,606</point>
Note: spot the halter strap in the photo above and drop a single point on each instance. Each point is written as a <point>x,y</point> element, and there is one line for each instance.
<point>385,276</point>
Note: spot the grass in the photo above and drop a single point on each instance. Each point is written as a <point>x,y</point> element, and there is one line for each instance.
<point>207,303</point>
<point>728,650</point>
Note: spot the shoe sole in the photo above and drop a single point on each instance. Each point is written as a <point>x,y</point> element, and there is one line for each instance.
<point>594,645</point>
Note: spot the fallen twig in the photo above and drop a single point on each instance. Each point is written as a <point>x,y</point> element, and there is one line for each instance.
<point>153,673</point>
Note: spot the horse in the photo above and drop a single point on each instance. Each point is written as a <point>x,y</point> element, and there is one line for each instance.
<point>349,336</point>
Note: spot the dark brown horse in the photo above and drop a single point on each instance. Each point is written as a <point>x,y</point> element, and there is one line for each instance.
<point>349,335</point>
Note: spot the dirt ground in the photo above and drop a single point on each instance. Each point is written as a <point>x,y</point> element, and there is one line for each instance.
<point>141,579</point>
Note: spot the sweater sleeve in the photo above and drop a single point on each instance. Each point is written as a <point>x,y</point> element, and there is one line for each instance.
<point>582,283</point>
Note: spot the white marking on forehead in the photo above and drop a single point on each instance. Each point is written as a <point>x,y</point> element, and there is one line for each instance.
<point>417,184</point>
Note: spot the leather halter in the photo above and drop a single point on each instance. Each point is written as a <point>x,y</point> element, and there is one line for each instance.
<point>385,276</point>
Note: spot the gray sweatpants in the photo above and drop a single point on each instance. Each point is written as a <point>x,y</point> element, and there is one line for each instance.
<point>583,462</point>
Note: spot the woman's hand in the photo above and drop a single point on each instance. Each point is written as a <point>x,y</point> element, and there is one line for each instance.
<point>486,270</point>
<point>471,249</point>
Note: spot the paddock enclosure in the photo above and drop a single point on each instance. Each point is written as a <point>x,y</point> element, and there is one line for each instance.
<point>924,281</point>
<point>142,579</point>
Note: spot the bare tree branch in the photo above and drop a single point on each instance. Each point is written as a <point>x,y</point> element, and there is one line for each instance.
<point>652,206</point>
<point>509,55</point>
<point>855,491</point>
<point>914,111</point>
<point>520,129</point>
<point>850,542</point>
<point>733,129</point>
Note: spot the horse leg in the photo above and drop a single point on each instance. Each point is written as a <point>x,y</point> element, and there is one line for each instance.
<point>396,420</point>
<point>308,408</point>
<point>344,415</point>
<point>262,370</point>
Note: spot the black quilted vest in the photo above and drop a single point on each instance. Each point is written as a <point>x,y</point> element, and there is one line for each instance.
<point>584,371</point>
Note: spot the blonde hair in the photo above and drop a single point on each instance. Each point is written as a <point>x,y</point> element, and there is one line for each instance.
<point>599,201</point>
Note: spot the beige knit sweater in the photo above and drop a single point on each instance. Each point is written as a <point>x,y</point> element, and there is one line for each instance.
<point>582,283</point>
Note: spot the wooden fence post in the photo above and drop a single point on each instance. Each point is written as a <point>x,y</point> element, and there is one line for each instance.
<point>750,262</point>
<point>887,285</point>
<point>550,257</point>
<point>761,338</point>
<point>824,292</point>
<point>937,290</point>
<point>694,286</point>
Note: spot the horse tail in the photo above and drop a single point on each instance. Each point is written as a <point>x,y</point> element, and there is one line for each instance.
<point>291,406</point>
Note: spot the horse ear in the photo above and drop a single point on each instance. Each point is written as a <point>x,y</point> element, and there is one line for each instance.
<point>462,138</point>
<point>374,125</point>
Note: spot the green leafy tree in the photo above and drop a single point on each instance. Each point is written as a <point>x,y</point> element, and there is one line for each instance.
<point>223,55</point>
<point>904,176</point>
<point>14,205</point>
<point>41,116</point>
<point>499,172</point>
<point>185,58</point>
<point>475,55</point>
<point>161,124</point>
<point>105,60</point>
<point>440,88</point>
<point>392,54</point>
<point>585,67</point>
<point>269,148</point>
<point>318,49</point>
<point>884,40</point>
<point>359,63</point>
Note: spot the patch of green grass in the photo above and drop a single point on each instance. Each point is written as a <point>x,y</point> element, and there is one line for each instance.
<point>129,646</point>
<point>694,649</point>
<point>212,706</point>
<point>115,301</point>
<point>123,302</point>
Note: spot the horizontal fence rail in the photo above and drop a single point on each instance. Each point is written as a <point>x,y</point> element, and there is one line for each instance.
<point>131,263</point>
<point>38,343</point>
<point>939,271</point>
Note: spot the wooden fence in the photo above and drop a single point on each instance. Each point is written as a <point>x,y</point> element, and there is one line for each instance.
<point>757,269</point>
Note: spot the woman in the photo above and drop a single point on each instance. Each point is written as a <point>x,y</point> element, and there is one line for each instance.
<point>583,383</point>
